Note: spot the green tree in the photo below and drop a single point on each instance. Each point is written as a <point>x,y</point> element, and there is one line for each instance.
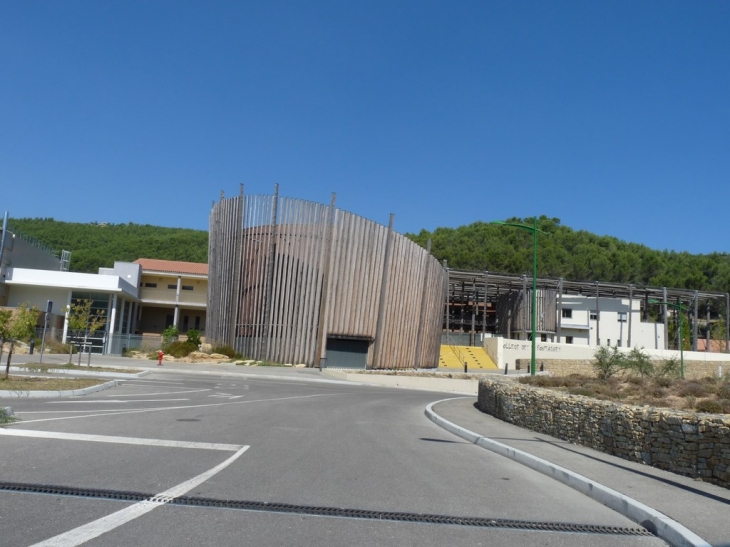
<point>16,325</point>
<point>83,322</point>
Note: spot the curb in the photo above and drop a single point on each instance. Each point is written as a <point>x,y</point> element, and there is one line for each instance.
<point>657,523</point>
<point>50,394</point>
<point>82,373</point>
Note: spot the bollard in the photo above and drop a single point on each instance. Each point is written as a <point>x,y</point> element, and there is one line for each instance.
<point>506,367</point>
<point>32,346</point>
<point>542,367</point>
<point>465,368</point>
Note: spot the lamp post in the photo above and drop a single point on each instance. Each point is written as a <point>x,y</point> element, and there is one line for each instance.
<point>679,309</point>
<point>534,229</point>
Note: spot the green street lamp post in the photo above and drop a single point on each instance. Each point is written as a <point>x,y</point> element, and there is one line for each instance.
<point>678,306</point>
<point>534,229</point>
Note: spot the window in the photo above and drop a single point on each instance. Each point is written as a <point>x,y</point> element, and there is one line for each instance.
<point>594,315</point>
<point>173,287</point>
<point>568,339</point>
<point>187,287</point>
<point>608,342</point>
<point>622,317</point>
<point>567,313</point>
<point>151,285</point>
<point>543,337</point>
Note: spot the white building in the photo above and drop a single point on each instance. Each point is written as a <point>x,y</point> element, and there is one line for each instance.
<point>606,321</point>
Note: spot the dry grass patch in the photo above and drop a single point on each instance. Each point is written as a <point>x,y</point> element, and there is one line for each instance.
<point>24,383</point>
<point>706,395</point>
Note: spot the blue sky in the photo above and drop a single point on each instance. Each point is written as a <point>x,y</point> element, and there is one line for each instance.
<point>612,116</point>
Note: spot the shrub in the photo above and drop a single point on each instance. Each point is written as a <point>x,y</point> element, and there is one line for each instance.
<point>639,362</point>
<point>226,350</point>
<point>670,368</point>
<point>607,362</point>
<point>169,335</point>
<point>54,346</point>
<point>180,349</point>
<point>707,405</point>
<point>693,388</point>
<point>723,390</point>
<point>194,336</point>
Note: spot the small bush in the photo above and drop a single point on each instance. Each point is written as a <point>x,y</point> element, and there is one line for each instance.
<point>725,404</point>
<point>693,388</point>
<point>723,390</point>
<point>226,350</point>
<point>670,368</point>
<point>587,392</point>
<point>54,346</point>
<point>607,362</point>
<point>170,335</point>
<point>180,349</point>
<point>663,381</point>
<point>707,405</point>
<point>194,336</point>
<point>639,362</point>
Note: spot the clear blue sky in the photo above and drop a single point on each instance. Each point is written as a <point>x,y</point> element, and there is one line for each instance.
<point>612,116</point>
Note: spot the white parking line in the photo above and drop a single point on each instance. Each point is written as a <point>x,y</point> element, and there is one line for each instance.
<point>104,401</point>
<point>144,394</point>
<point>158,409</point>
<point>94,529</point>
<point>116,440</point>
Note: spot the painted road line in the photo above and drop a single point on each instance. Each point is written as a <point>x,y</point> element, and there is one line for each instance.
<point>107,401</point>
<point>116,440</point>
<point>188,407</point>
<point>150,394</point>
<point>82,534</point>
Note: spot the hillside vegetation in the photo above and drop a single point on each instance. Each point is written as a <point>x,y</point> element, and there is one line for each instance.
<point>98,245</point>
<point>563,252</point>
<point>574,255</point>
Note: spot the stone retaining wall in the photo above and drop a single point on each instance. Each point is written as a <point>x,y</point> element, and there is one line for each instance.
<point>693,370</point>
<point>696,445</point>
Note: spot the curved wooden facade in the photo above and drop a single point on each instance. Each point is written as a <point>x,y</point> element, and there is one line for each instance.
<point>291,280</point>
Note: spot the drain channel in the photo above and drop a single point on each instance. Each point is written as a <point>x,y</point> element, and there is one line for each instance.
<point>189,501</point>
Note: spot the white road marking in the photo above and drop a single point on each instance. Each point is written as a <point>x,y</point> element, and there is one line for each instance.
<point>94,529</point>
<point>226,396</point>
<point>144,394</point>
<point>116,440</point>
<point>104,401</point>
<point>137,411</point>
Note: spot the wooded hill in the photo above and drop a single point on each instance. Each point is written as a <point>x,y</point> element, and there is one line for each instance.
<point>563,252</point>
<point>574,255</point>
<point>95,246</point>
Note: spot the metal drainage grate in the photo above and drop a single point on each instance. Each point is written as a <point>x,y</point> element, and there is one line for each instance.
<point>325,511</point>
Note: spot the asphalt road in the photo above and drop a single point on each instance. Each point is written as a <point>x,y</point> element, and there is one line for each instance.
<point>295,443</point>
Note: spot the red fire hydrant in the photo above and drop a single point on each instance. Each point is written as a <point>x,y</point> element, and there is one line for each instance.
<point>160,355</point>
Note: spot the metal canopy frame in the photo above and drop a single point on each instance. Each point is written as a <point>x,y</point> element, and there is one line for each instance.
<point>480,287</point>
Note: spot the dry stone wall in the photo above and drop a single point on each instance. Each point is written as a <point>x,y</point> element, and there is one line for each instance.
<point>696,445</point>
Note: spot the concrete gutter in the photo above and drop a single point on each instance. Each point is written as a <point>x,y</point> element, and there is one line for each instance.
<point>657,523</point>
<point>20,394</point>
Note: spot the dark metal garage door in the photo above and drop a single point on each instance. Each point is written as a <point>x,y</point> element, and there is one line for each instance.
<point>347,353</point>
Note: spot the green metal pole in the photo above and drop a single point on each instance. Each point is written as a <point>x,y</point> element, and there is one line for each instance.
<point>681,339</point>
<point>534,294</point>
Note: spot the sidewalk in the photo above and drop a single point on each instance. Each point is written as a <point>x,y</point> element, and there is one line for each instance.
<point>701,507</point>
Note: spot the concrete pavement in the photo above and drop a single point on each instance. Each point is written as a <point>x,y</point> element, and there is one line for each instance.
<point>700,507</point>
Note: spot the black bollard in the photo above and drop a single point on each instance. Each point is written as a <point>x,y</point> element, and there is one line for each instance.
<point>465,367</point>
<point>506,367</point>
<point>32,346</point>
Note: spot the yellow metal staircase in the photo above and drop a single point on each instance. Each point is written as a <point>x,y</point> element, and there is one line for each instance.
<point>453,358</point>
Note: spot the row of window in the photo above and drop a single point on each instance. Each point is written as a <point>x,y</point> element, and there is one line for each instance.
<point>170,286</point>
<point>593,315</point>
